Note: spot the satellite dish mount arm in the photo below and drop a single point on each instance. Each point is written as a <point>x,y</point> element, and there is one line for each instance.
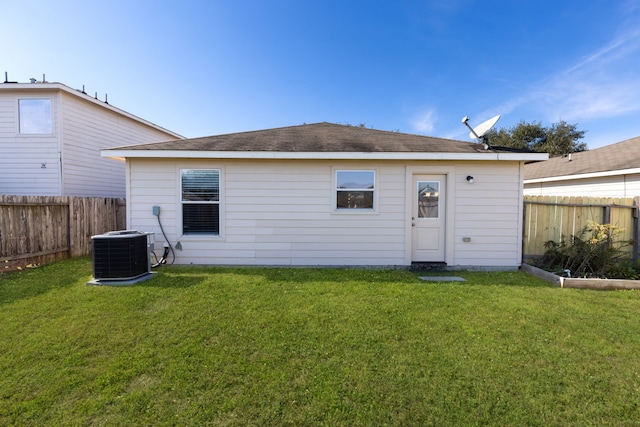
<point>465,120</point>
<point>480,131</point>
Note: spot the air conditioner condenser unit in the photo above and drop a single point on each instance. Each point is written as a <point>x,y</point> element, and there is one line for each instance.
<point>121,257</point>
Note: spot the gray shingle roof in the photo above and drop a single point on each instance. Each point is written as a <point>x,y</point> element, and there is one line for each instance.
<point>319,137</point>
<point>623,155</point>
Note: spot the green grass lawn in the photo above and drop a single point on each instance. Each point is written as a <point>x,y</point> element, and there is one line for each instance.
<point>272,346</point>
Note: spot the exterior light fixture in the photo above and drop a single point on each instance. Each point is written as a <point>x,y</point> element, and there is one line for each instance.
<point>469,179</point>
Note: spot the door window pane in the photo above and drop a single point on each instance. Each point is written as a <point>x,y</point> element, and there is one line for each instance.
<point>428,199</point>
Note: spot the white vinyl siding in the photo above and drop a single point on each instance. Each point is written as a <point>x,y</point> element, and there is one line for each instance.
<point>29,163</point>
<point>281,213</point>
<point>66,160</point>
<point>86,130</point>
<point>34,116</point>
<point>605,186</point>
<point>489,212</point>
<point>275,214</point>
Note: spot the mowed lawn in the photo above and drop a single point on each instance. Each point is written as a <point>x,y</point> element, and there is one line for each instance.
<point>279,346</point>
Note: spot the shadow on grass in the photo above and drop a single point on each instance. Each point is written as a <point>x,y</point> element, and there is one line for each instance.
<point>298,274</point>
<point>33,282</point>
<point>167,279</point>
<point>174,275</point>
<point>369,275</point>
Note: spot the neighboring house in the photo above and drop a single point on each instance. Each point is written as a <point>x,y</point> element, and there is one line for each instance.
<point>610,171</point>
<point>51,136</point>
<point>327,194</point>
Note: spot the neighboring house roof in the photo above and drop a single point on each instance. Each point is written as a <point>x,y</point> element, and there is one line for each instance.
<point>620,158</point>
<point>55,86</point>
<point>320,140</point>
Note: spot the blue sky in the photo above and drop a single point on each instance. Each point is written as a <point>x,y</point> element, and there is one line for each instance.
<point>203,68</point>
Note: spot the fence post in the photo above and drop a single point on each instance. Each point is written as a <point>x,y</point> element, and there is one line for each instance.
<point>636,227</point>
<point>70,208</point>
<point>524,230</point>
<point>606,214</point>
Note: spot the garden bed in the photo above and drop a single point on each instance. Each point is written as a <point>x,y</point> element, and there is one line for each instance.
<point>581,283</point>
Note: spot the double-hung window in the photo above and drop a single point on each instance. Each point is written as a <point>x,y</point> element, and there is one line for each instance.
<point>200,201</point>
<point>355,189</point>
<point>34,116</point>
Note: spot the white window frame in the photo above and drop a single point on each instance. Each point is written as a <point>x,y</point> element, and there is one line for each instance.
<point>354,211</point>
<point>49,120</point>
<point>182,202</point>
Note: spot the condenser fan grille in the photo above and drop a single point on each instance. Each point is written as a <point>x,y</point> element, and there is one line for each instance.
<point>120,256</point>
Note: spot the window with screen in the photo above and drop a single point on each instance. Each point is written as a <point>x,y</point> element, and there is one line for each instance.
<point>200,201</point>
<point>355,189</point>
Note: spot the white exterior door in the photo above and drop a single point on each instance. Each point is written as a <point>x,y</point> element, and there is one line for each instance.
<point>428,218</point>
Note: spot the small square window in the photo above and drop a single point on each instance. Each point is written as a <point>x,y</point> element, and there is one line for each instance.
<point>35,116</point>
<point>355,189</point>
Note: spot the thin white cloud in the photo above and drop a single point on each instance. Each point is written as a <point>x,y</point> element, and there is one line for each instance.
<point>629,7</point>
<point>425,121</point>
<point>615,49</point>
<point>588,99</point>
<point>602,84</point>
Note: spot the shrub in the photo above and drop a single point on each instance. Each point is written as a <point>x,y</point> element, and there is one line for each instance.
<point>595,251</point>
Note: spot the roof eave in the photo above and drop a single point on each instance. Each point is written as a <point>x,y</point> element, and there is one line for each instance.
<point>277,155</point>
<point>583,176</point>
<point>86,97</point>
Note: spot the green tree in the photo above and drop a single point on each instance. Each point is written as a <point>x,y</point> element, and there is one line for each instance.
<point>557,140</point>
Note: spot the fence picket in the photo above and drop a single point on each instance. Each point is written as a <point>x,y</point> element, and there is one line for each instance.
<point>39,229</point>
<point>558,218</point>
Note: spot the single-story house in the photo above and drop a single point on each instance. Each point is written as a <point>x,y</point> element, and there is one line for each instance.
<point>609,171</point>
<point>328,194</point>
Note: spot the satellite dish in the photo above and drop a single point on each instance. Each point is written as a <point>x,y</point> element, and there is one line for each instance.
<point>481,130</point>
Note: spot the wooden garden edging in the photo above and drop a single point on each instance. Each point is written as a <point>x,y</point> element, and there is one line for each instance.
<point>581,283</point>
<point>40,229</point>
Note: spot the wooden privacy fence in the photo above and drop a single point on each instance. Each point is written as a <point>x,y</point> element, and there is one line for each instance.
<point>558,218</point>
<point>38,229</point>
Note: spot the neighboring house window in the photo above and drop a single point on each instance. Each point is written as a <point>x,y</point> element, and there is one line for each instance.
<point>35,116</point>
<point>200,201</point>
<point>355,189</point>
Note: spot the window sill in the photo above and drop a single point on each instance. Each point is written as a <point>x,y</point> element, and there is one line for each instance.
<point>354,212</point>
<point>35,135</point>
<point>200,237</point>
